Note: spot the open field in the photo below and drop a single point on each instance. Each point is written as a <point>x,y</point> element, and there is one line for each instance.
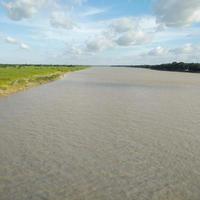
<point>16,78</point>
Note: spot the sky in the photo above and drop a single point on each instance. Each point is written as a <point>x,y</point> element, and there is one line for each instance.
<point>99,32</point>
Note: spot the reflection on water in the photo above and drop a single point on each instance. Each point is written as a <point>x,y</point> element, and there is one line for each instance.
<point>103,134</point>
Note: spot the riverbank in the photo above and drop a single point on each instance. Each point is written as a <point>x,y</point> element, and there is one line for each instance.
<point>14,78</point>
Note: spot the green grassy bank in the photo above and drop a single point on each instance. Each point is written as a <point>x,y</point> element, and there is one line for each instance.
<point>15,78</point>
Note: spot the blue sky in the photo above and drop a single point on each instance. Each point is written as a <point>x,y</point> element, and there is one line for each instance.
<point>99,31</point>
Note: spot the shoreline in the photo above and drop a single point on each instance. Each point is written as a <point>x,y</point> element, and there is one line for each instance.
<point>23,84</point>
<point>29,84</point>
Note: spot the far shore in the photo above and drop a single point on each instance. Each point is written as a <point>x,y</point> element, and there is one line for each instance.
<point>172,67</point>
<point>15,78</point>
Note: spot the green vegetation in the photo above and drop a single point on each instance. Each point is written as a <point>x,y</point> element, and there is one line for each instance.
<point>14,78</point>
<point>175,66</point>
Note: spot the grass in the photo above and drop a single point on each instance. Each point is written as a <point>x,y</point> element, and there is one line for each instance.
<point>17,78</point>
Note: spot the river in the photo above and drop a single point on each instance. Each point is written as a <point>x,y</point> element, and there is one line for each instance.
<point>103,134</point>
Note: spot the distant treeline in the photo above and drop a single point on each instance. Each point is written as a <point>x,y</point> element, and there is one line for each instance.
<point>175,66</point>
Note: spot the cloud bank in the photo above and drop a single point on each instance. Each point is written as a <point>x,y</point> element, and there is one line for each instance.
<point>176,13</point>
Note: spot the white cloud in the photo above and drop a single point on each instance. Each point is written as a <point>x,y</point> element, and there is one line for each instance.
<point>185,49</point>
<point>133,38</point>
<point>132,30</point>
<point>122,25</point>
<point>16,42</point>
<point>126,24</point>
<point>158,51</point>
<point>174,13</point>
<point>98,44</point>
<point>78,2</point>
<point>123,32</point>
<point>113,34</point>
<point>11,40</point>
<point>60,20</point>
<point>23,9</point>
<point>93,11</point>
<point>24,46</point>
<point>73,50</point>
<point>196,16</point>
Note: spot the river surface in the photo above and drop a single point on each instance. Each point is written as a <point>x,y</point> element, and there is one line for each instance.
<point>103,134</point>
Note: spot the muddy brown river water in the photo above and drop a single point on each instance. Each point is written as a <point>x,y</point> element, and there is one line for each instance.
<point>103,134</point>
